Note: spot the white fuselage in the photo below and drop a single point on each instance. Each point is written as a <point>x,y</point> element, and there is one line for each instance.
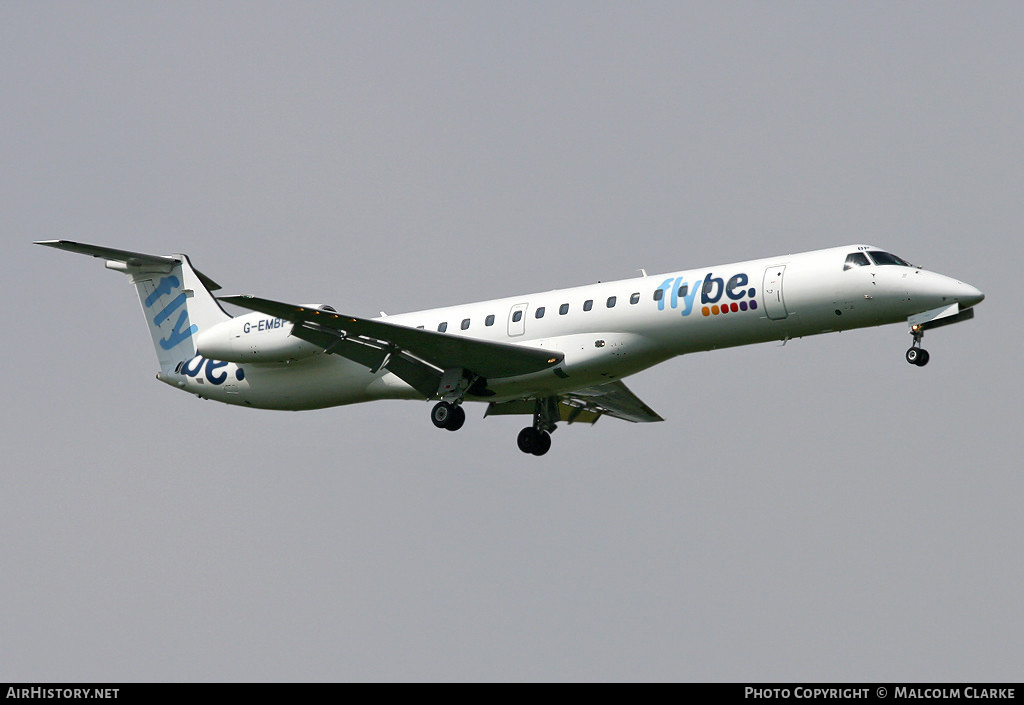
<point>700,309</point>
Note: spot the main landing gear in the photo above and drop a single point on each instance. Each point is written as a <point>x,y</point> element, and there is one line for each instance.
<point>536,439</point>
<point>917,355</point>
<point>448,415</point>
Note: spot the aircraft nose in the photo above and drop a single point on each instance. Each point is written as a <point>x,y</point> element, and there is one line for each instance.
<point>968,296</point>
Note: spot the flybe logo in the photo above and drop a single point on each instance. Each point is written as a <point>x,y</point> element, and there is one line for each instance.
<point>214,374</point>
<point>711,290</point>
<point>182,330</point>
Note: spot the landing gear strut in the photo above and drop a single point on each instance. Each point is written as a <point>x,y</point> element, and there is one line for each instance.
<point>917,355</point>
<point>448,413</point>
<point>536,439</point>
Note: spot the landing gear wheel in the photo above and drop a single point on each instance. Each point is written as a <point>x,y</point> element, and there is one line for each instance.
<point>441,414</point>
<point>456,419</point>
<point>917,356</point>
<point>543,443</point>
<point>527,439</point>
<point>534,442</point>
<point>447,415</point>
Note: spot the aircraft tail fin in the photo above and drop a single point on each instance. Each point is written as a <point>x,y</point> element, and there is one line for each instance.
<point>175,298</point>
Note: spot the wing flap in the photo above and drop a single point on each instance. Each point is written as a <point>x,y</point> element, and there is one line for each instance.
<point>567,411</point>
<point>616,399</point>
<point>422,377</point>
<point>587,405</point>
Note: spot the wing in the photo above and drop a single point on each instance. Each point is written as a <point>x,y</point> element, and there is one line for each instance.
<point>417,356</point>
<point>615,399</point>
<point>587,405</point>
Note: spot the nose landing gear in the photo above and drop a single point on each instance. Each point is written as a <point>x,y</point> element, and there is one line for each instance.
<point>917,355</point>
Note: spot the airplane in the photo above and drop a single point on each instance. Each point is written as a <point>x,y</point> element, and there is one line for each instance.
<point>558,356</point>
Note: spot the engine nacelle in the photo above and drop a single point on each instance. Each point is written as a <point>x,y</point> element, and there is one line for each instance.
<point>255,337</point>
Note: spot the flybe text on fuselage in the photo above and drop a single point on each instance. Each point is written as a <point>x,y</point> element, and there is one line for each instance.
<point>678,292</point>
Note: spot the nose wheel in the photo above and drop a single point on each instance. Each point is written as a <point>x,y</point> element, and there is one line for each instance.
<point>917,355</point>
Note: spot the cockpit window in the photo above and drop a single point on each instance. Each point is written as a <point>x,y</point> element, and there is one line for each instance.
<point>857,259</point>
<point>884,258</point>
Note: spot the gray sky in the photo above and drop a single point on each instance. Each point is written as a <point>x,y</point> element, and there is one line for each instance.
<point>819,511</point>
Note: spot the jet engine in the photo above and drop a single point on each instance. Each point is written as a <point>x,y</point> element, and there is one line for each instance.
<point>256,337</point>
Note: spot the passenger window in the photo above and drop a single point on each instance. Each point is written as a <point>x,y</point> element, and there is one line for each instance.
<point>635,298</point>
<point>684,289</point>
<point>443,327</point>
<point>563,309</point>
<point>659,294</point>
<point>465,323</point>
<point>489,321</point>
<point>517,316</point>
<point>540,312</point>
<point>857,259</point>
<point>588,304</point>
<point>611,302</point>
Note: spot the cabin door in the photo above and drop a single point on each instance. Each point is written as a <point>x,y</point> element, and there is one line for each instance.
<point>517,319</point>
<point>774,303</point>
